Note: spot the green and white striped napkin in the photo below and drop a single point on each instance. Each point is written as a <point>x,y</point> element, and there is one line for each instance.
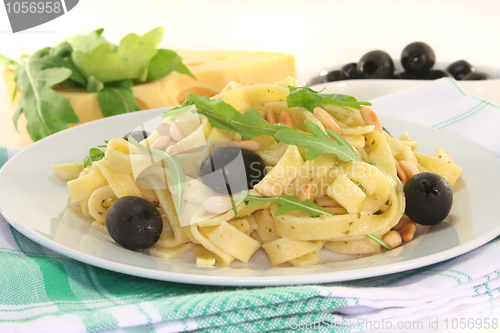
<point>43,291</point>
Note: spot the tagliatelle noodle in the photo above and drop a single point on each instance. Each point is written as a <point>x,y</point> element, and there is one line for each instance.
<point>375,204</point>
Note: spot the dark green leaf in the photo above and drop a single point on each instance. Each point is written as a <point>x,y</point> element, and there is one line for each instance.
<point>164,63</point>
<point>182,69</point>
<point>222,115</point>
<point>46,111</point>
<point>320,143</point>
<point>115,100</point>
<point>308,98</point>
<point>289,203</point>
<point>93,156</point>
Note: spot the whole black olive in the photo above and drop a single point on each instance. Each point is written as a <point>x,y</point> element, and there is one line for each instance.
<point>134,223</point>
<point>226,173</point>
<point>428,198</point>
<point>417,58</point>
<point>459,69</point>
<point>476,76</point>
<point>138,135</point>
<point>352,70</point>
<point>376,65</point>
<point>336,75</point>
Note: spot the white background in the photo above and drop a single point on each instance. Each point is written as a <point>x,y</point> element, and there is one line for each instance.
<point>320,33</point>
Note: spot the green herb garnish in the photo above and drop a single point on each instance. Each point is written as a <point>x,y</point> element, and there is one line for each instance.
<point>308,98</point>
<point>95,154</point>
<point>91,63</point>
<point>223,115</point>
<point>320,143</point>
<point>287,204</point>
<point>381,242</point>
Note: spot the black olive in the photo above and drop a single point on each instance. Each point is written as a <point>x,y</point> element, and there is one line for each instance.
<point>417,58</point>
<point>138,135</point>
<point>376,65</point>
<point>435,74</point>
<point>404,76</point>
<point>352,70</point>
<point>476,76</point>
<point>225,173</point>
<point>134,223</point>
<point>336,75</point>
<point>317,80</point>
<point>459,69</point>
<point>428,198</point>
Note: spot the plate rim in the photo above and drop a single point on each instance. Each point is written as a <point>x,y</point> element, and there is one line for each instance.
<point>323,277</point>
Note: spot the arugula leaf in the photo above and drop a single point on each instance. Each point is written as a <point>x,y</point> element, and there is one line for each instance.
<point>164,63</point>
<point>117,99</point>
<point>8,63</point>
<point>308,98</point>
<point>46,111</point>
<point>381,242</point>
<point>86,43</point>
<point>174,170</point>
<point>129,61</point>
<point>320,143</point>
<point>223,115</point>
<point>94,155</point>
<point>288,203</point>
<point>94,85</point>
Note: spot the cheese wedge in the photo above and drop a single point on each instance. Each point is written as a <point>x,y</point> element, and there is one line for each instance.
<point>213,71</point>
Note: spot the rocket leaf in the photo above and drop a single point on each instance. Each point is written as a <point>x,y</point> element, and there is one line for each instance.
<point>288,203</point>
<point>46,111</point>
<point>222,115</point>
<point>129,61</point>
<point>308,98</point>
<point>165,62</point>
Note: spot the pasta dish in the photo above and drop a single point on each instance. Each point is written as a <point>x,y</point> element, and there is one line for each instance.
<point>272,166</point>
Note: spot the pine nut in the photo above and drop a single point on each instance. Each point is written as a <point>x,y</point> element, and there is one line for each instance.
<point>400,171</point>
<point>305,193</point>
<point>393,238</point>
<point>401,222</point>
<point>408,231</point>
<point>161,142</point>
<point>175,132</point>
<point>271,116</point>
<point>163,129</point>
<point>327,120</point>
<point>217,204</point>
<point>370,118</point>
<point>172,150</point>
<point>262,113</point>
<point>244,144</point>
<point>409,169</point>
<point>286,118</point>
<point>268,190</point>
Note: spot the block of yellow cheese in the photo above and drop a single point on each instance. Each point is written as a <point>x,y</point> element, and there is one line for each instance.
<point>213,71</point>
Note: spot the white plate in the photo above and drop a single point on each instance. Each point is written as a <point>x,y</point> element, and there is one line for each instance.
<point>35,202</point>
